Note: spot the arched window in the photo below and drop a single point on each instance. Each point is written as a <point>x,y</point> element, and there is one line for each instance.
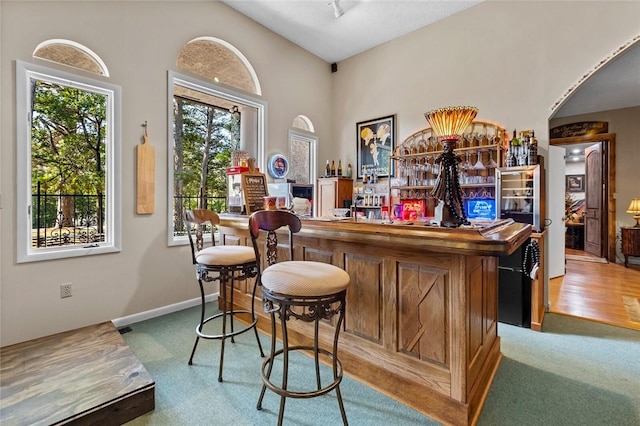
<point>211,115</point>
<point>303,122</point>
<point>303,145</point>
<point>68,156</point>
<point>72,54</point>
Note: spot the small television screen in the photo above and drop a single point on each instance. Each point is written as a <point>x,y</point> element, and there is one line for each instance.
<point>480,208</point>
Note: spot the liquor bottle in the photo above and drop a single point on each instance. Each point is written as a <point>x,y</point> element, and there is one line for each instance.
<point>533,150</point>
<point>510,155</point>
<point>349,171</point>
<point>327,170</point>
<point>333,168</point>
<point>339,167</point>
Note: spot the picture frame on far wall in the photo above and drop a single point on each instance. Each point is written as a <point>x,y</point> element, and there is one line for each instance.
<point>376,142</point>
<point>574,183</point>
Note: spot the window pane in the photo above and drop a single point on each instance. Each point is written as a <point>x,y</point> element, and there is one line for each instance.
<point>68,165</point>
<point>204,137</point>
<point>206,123</point>
<point>68,129</point>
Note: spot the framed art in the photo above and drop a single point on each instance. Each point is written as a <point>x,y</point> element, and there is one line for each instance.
<point>575,183</point>
<point>376,140</point>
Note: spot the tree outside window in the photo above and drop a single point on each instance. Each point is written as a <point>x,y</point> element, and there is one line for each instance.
<point>67,164</point>
<point>204,137</point>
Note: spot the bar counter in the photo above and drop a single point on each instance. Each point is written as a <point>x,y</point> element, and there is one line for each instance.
<point>422,313</point>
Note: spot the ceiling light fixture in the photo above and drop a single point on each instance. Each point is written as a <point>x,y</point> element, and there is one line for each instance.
<point>337,10</point>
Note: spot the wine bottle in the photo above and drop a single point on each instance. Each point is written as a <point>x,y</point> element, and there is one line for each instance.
<point>339,167</point>
<point>333,168</point>
<point>349,171</point>
<point>327,170</point>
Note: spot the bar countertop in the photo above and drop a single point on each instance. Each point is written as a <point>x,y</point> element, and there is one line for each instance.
<point>487,237</point>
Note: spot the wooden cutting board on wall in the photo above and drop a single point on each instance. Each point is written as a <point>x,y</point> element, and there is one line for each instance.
<point>145,176</point>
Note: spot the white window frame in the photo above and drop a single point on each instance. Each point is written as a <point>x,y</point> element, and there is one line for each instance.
<point>177,79</point>
<point>25,252</point>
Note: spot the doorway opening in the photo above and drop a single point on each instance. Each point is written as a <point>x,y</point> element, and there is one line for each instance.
<point>590,222</point>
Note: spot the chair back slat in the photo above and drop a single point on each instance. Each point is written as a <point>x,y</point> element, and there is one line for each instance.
<point>270,221</point>
<point>195,221</point>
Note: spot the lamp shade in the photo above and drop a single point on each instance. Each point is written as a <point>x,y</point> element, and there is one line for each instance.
<point>634,207</point>
<point>450,121</point>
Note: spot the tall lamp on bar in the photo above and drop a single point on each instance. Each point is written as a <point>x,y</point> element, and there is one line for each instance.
<point>634,209</point>
<point>448,124</point>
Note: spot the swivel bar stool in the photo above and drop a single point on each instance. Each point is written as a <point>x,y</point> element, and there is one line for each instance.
<point>231,263</point>
<point>304,290</point>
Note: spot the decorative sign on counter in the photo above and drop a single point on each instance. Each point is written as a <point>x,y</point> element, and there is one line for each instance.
<point>254,187</point>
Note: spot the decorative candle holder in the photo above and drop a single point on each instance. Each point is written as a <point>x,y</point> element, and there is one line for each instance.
<point>448,123</point>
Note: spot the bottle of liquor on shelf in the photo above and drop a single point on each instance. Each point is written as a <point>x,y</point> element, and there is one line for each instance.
<point>333,168</point>
<point>510,159</point>
<point>349,171</point>
<point>339,167</point>
<point>533,149</point>
<point>327,170</point>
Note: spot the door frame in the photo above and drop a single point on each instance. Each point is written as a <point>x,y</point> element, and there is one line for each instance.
<point>608,141</point>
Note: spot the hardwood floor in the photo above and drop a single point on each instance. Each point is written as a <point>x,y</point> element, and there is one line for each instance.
<point>595,291</point>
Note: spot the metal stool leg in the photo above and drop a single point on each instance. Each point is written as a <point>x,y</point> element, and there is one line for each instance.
<point>254,318</point>
<point>199,326</point>
<point>223,293</point>
<point>335,368</point>
<point>285,367</point>
<point>269,360</point>
<point>316,356</point>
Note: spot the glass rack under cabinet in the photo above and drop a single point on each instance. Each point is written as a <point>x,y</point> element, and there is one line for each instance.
<point>480,149</point>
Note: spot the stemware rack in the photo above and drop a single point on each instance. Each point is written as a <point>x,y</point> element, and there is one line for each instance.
<point>481,148</point>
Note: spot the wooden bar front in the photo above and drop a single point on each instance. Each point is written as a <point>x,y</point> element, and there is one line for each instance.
<point>422,312</point>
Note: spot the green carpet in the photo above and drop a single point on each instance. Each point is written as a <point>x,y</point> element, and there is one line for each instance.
<point>576,372</point>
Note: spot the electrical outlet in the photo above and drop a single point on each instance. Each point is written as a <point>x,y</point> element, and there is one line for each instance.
<point>65,290</point>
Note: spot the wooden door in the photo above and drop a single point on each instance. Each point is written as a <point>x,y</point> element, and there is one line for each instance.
<point>594,197</point>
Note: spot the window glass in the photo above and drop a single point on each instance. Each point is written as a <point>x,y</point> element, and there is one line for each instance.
<point>207,123</point>
<point>68,162</point>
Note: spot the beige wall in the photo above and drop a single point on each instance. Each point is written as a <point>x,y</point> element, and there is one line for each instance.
<point>512,60</point>
<point>139,41</point>
<point>625,123</point>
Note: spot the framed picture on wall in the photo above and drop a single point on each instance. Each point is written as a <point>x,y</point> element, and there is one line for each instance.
<point>574,183</point>
<point>376,140</point>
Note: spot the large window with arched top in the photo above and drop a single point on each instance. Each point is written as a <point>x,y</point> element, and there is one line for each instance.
<point>211,114</point>
<point>303,145</point>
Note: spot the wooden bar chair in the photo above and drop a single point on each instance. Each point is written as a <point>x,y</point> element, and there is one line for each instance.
<point>302,290</point>
<point>230,263</point>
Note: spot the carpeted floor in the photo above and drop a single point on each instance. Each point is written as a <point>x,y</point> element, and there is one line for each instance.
<point>576,372</point>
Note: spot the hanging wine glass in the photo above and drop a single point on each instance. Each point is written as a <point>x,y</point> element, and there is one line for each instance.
<point>492,162</point>
<point>479,165</point>
<point>485,139</point>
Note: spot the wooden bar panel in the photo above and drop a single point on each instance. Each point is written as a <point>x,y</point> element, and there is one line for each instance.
<point>363,316</point>
<point>422,328</point>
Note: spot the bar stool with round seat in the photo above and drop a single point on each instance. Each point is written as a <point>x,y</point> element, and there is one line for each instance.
<point>231,263</point>
<point>304,290</point>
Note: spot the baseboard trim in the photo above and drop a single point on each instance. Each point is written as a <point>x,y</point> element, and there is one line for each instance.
<point>163,310</point>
